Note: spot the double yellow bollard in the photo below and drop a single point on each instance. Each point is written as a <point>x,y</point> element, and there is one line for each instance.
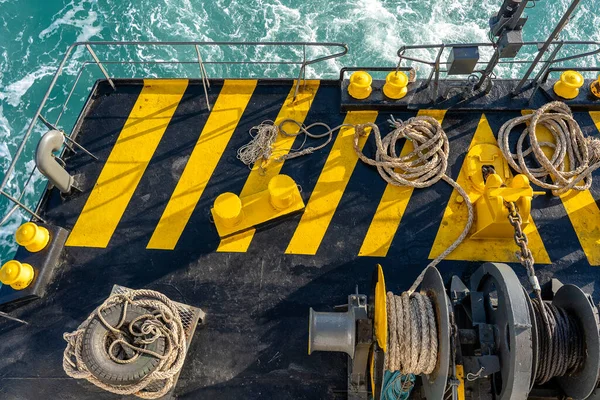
<point>20,275</point>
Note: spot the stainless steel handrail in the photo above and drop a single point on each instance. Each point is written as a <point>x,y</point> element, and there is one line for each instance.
<point>341,49</point>
<point>560,46</point>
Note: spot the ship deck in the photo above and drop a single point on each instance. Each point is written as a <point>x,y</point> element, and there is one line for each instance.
<point>142,220</point>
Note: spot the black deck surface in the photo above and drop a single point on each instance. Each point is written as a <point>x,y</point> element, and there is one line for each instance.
<point>254,342</point>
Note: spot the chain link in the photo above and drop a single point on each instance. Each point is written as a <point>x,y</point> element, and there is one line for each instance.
<point>515,219</point>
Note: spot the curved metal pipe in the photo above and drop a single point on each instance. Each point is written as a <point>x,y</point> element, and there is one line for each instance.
<point>46,163</point>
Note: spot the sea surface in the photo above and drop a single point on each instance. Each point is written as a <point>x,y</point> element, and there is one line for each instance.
<point>35,34</point>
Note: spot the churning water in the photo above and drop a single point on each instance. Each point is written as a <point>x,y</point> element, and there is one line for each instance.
<point>34,34</point>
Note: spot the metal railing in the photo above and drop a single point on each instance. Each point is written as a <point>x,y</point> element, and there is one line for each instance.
<point>332,50</point>
<point>437,65</point>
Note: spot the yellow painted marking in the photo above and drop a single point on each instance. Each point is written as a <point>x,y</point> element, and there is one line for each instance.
<point>218,130</point>
<point>460,375</point>
<point>391,207</point>
<point>455,218</point>
<point>127,162</point>
<point>581,206</point>
<point>330,187</point>
<point>259,178</point>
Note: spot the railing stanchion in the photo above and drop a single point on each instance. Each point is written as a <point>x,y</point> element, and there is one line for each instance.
<point>23,206</point>
<point>204,76</point>
<point>437,74</point>
<point>559,27</point>
<point>99,64</point>
<point>302,71</point>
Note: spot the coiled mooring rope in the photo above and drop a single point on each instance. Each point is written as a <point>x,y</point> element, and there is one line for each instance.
<point>260,148</point>
<point>421,168</point>
<point>413,338</point>
<point>162,320</point>
<point>582,153</point>
<point>561,343</point>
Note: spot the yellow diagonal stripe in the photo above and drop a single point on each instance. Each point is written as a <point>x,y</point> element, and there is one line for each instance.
<point>330,187</point>
<point>581,206</point>
<point>222,121</point>
<point>391,207</point>
<point>259,177</point>
<point>127,162</point>
<point>455,218</point>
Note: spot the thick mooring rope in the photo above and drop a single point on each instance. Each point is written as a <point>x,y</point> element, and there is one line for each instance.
<point>260,148</point>
<point>412,337</point>
<point>582,153</point>
<point>162,320</point>
<point>421,168</point>
<point>561,343</point>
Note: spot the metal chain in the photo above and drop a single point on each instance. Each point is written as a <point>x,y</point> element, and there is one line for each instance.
<point>524,254</point>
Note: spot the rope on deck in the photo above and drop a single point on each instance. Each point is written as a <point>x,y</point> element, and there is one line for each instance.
<point>162,320</point>
<point>260,148</point>
<point>574,158</point>
<point>421,168</point>
<point>413,344</point>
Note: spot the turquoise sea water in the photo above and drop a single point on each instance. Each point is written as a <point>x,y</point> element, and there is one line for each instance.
<point>34,35</point>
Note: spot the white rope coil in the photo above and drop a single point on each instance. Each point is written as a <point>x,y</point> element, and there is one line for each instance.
<point>421,168</point>
<point>260,148</point>
<point>162,320</point>
<point>581,152</point>
<point>412,338</point>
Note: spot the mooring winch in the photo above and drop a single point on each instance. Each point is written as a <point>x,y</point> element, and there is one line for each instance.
<point>490,338</point>
<point>363,332</point>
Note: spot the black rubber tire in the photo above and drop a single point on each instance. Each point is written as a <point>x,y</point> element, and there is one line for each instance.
<point>99,363</point>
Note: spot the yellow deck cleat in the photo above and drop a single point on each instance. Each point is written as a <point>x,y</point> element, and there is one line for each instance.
<point>227,210</point>
<point>33,237</point>
<point>18,275</point>
<point>360,85</point>
<point>233,214</point>
<point>595,88</point>
<point>395,85</point>
<point>568,85</point>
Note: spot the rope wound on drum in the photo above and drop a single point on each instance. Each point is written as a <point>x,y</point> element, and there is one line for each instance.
<point>574,158</point>
<point>561,342</point>
<point>423,167</point>
<point>162,320</point>
<point>413,336</point>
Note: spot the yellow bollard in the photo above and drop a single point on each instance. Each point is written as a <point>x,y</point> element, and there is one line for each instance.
<point>360,85</point>
<point>17,275</point>
<point>595,87</point>
<point>395,85</point>
<point>281,191</point>
<point>33,237</point>
<point>227,209</point>
<point>568,85</point>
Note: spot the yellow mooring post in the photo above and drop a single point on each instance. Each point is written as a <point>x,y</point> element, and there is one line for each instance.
<point>17,275</point>
<point>595,88</point>
<point>396,84</point>
<point>33,237</point>
<point>233,214</point>
<point>568,85</point>
<point>360,85</point>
